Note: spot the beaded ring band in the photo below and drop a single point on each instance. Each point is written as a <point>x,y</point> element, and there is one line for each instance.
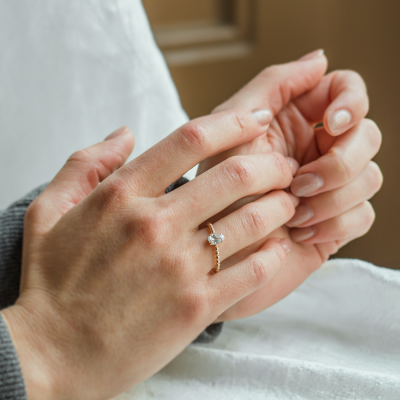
<point>214,239</point>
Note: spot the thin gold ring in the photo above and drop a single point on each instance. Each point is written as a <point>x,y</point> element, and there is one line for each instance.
<point>214,239</point>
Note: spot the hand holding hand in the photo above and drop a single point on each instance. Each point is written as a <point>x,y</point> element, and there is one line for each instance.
<point>336,177</point>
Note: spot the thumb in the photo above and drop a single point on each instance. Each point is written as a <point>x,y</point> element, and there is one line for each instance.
<point>275,86</point>
<point>80,175</point>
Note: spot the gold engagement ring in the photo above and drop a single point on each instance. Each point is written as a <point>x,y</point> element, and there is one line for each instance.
<point>215,239</point>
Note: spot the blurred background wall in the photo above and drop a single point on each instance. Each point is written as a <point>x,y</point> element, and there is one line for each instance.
<point>213,47</point>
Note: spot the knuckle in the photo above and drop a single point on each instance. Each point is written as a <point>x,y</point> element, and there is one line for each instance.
<point>279,252</point>
<point>373,133</point>
<point>153,226</point>
<point>286,205</point>
<point>375,176</point>
<point>341,166</point>
<point>282,169</point>
<point>239,121</point>
<point>81,156</point>
<point>259,270</point>
<point>255,220</point>
<point>193,303</point>
<point>340,226</point>
<point>240,172</point>
<point>196,137</point>
<point>111,194</point>
<point>273,71</point>
<point>336,202</point>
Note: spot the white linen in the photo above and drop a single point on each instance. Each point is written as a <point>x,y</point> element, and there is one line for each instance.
<point>71,72</point>
<point>336,337</point>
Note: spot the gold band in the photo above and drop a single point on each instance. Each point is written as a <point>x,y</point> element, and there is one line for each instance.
<point>217,261</point>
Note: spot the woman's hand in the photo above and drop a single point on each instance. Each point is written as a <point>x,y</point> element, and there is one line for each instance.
<point>117,282</point>
<point>336,175</point>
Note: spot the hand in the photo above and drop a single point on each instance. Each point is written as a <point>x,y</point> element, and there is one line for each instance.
<point>116,277</point>
<point>336,177</point>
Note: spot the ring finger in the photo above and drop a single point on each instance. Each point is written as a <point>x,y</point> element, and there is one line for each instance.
<point>321,207</point>
<point>246,225</point>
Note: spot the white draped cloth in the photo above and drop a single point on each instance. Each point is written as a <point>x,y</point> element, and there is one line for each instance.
<point>337,337</point>
<point>71,72</point>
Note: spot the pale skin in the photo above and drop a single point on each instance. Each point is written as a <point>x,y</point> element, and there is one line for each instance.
<point>340,211</point>
<point>116,277</point>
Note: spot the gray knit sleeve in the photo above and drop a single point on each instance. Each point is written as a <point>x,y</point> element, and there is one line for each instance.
<point>12,385</point>
<point>11,231</point>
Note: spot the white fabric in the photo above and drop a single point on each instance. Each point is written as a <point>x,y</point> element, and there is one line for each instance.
<point>71,72</point>
<point>336,337</point>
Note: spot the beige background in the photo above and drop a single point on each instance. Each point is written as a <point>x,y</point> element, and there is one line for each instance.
<point>213,47</point>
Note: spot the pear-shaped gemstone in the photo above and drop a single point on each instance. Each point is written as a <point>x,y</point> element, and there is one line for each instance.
<point>215,238</point>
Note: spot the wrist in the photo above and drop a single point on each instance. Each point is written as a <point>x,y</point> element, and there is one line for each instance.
<point>33,349</point>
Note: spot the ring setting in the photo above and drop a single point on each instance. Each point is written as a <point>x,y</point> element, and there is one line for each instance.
<point>214,239</point>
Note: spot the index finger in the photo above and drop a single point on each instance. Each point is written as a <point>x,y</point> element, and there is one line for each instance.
<point>340,101</point>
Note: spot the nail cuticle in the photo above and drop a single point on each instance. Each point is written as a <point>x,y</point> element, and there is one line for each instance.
<point>303,214</point>
<point>302,234</point>
<point>306,184</point>
<point>263,116</point>
<point>339,120</point>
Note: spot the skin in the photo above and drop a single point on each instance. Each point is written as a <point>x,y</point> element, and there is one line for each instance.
<point>116,277</point>
<point>89,323</point>
<point>342,158</point>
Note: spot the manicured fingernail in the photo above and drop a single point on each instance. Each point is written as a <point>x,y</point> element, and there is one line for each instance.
<point>303,213</point>
<point>119,132</point>
<point>299,235</point>
<point>306,184</point>
<point>339,121</point>
<point>293,164</point>
<point>263,116</point>
<point>295,200</point>
<point>286,244</point>
<point>313,55</point>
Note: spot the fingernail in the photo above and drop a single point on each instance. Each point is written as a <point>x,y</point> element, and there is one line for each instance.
<point>293,164</point>
<point>118,132</point>
<point>263,116</point>
<point>306,184</point>
<point>299,235</point>
<point>295,200</point>
<point>339,121</point>
<point>286,244</point>
<point>313,55</point>
<point>303,213</point>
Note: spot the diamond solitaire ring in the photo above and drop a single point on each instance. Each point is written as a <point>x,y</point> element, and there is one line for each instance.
<point>215,239</point>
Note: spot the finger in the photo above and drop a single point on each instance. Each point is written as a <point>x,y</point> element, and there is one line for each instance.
<point>232,284</point>
<point>246,226</point>
<point>275,86</point>
<point>321,207</point>
<point>222,185</point>
<point>204,137</point>
<point>81,174</point>
<point>353,223</point>
<point>340,101</point>
<point>200,138</point>
<point>347,157</point>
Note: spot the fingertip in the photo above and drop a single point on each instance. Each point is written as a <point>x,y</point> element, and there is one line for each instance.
<point>338,121</point>
<point>286,244</point>
<point>119,132</point>
<point>314,55</point>
<point>293,164</point>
